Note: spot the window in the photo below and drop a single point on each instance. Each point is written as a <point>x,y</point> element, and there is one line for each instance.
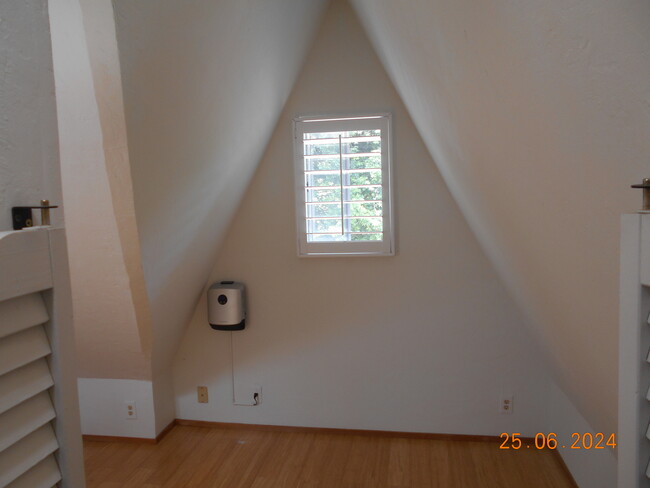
<point>343,187</point>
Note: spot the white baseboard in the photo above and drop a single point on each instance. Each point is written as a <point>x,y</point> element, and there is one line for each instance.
<point>104,412</point>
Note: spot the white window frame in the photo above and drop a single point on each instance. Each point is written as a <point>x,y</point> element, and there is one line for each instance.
<point>332,123</point>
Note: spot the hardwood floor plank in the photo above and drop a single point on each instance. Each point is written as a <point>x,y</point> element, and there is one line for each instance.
<point>238,467</point>
<point>209,457</point>
<point>399,465</point>
<point>285,460</point>
<point>325,463</point>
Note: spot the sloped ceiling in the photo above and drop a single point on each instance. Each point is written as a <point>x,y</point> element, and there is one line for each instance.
<point>421,341</point>
<point>538,115</point>
<point>204,83</point>
<point>112,337</point>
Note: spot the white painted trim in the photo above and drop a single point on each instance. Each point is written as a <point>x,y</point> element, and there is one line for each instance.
<point>315,123</point>
<point>62,365</point>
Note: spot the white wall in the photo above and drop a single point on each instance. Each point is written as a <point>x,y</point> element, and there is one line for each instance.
<point>29,150</point>
<point>423,341</point>
<point>104,408</point>
<point>537,114</point>
<point>204,83</point>
<point>109,341</point>
<point>99,26</point>
<point>111,316</point>
<point>591,468</point>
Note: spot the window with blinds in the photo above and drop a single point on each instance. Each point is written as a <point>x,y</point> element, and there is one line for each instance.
<point>343,185</point>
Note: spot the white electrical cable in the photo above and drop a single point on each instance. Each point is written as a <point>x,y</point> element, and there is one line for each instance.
<point>232,367</point>
<point>256,400</point>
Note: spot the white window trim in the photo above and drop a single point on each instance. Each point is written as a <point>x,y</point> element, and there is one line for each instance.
<point>323,123</point>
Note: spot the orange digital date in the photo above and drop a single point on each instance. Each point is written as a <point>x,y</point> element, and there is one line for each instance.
<point>549,441</point>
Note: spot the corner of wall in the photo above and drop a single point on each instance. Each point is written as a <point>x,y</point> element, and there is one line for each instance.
<point>590,468</point>
<point>164,400</point>
<point>103,407</point>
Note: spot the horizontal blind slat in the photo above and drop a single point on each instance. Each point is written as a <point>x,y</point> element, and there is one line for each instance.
<point>338,202</point>
<point>23,383</point>
<point>338,171</point>
<point>24,419</point>
<point>335,187</point>
<point>345,155</point>
<point>22,348</point>
<point>45,474</point>
<point>335,140</point>
<point>22,312</point>
<point>26,453</point>
<point>345,233</point>
<point>347,217</point>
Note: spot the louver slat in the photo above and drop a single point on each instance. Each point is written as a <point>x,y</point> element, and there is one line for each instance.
<point>23,383</point>
<point>26,453</point>
<point>23,348</point>
<point>44,475</point>
<point>24,419</point>
<point>21,313</point>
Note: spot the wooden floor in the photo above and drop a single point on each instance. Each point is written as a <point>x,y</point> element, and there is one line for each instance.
<point>212,457</point>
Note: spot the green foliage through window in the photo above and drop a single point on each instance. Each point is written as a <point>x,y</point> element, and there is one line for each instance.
<point>343,185</point>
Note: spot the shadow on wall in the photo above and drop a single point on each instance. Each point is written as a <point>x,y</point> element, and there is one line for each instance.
<point>191,78</point>
<point>166,341</point>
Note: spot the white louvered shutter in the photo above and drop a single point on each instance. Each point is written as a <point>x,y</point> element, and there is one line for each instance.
<point>343,186</point>
<point>27,439</point>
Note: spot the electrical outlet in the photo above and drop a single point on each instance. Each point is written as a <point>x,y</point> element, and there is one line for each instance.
<point>248,395</point>
<point>130,411</point>
<point>506,404</point>
<point>202,394</point>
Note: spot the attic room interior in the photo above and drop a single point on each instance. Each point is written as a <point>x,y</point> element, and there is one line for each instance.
<point>324,243</point>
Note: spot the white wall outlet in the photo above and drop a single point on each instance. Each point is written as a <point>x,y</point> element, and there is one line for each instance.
<point>129,410</point>
<point>506,404</point>
<point>202,394</point>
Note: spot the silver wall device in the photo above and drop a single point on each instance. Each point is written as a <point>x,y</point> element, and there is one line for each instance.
<point>227,306</point>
